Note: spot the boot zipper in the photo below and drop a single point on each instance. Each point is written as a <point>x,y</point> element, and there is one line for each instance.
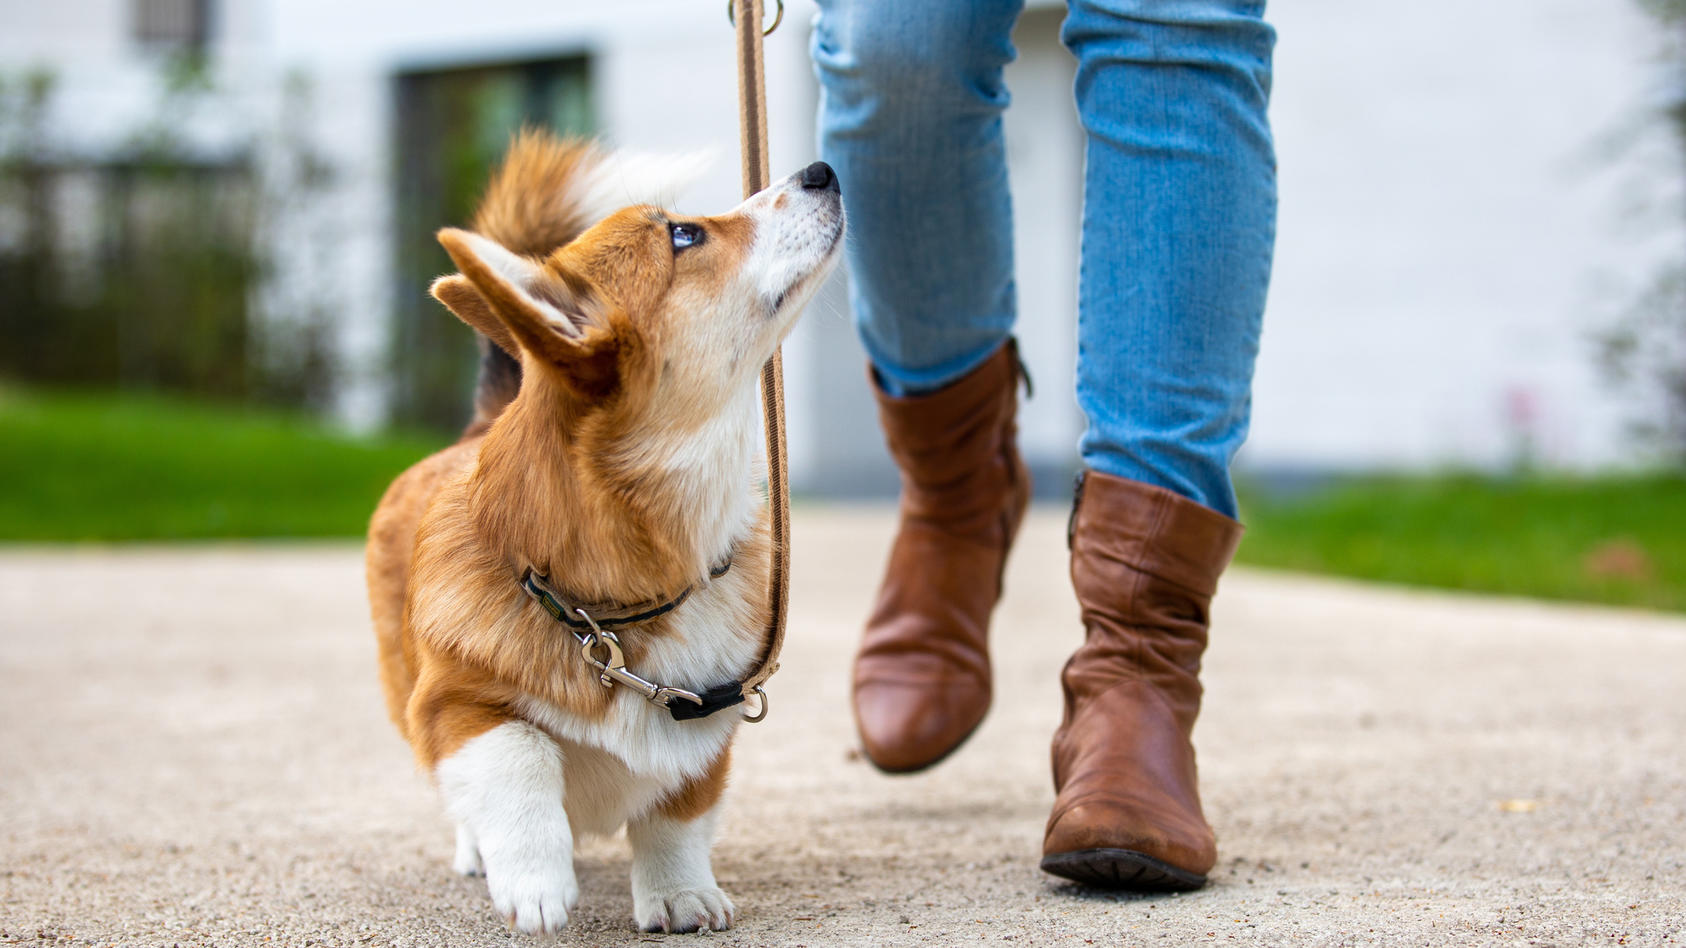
<point>1076,500</point>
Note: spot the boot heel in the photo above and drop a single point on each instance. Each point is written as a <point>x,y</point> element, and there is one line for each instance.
<point>1121,869</point>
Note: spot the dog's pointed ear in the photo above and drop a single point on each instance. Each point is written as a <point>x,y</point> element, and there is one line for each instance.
<point>463,300</point>
<point>550,316</point>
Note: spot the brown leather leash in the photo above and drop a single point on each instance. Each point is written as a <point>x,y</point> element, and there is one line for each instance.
<point>600,646</point>
<point>752,137</point>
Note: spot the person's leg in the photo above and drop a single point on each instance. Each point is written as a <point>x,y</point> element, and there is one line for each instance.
<point>1178,224</point>
<point>1179,220</point>
<point>911,121</point>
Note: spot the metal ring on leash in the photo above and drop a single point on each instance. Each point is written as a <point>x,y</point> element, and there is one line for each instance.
<point>732,16</point>
<point>761,714</point>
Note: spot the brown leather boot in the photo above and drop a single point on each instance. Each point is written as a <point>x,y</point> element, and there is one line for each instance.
<point>922,680</point>
<point>1145,562</point>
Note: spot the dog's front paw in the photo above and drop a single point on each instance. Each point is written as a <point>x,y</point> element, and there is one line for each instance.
<point>687,910</point>
<point>535,899</point>
<point>467,860</point>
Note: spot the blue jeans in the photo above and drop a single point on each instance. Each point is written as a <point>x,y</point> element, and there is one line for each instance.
<point>1179,210</point>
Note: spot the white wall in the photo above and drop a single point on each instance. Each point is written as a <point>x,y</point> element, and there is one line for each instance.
<point>1455,229</point>
<point>1451,223</point>
<point>1451,229</point>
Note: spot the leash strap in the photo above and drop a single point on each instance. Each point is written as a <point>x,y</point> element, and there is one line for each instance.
<point>752,138</point>
<point>586,625</point>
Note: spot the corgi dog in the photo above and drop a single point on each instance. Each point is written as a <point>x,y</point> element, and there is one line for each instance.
<point>566,598</point>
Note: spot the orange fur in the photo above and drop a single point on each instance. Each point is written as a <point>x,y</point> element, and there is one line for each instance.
<point>622,468</point>
<point>526,206</point>
<point>460,297</point>
<point>392,533</point>
<point>699,796</point>
<point>453,702</point>
<point>544,487</point>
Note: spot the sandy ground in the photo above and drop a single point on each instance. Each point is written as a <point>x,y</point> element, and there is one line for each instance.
<point>193,752</point>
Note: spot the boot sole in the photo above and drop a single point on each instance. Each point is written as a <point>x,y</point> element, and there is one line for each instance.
<point>1121,869</point>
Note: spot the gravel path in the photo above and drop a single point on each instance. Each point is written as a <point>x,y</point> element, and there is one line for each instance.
<point>193,752</point>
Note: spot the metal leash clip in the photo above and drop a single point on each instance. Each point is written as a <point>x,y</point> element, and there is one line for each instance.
<point>613,669</point>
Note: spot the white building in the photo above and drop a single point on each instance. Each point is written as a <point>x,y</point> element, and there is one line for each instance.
<point>1452,224</point>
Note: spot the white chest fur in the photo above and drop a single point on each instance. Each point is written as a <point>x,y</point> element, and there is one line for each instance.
<point>620,765</point>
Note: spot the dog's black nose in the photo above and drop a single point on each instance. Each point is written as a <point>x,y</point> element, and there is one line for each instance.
<point>819,177</point>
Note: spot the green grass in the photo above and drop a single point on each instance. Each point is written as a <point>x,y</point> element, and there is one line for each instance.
<point>99,466</point>
<point>1613,539</point>
<point>103,467</point>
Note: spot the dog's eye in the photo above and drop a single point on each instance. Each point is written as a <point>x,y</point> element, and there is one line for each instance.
<point>685,235</point>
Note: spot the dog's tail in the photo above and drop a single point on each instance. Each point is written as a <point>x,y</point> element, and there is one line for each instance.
<point>547,191</point>
<point>538,198</point>
<point>532,206</point>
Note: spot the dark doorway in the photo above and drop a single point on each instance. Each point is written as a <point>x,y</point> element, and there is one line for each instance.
<point>453,126</point>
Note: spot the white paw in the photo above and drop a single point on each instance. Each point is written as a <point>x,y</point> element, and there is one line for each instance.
<point>687,910</point>
<point>467,860</point>
<point>534,899</point>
